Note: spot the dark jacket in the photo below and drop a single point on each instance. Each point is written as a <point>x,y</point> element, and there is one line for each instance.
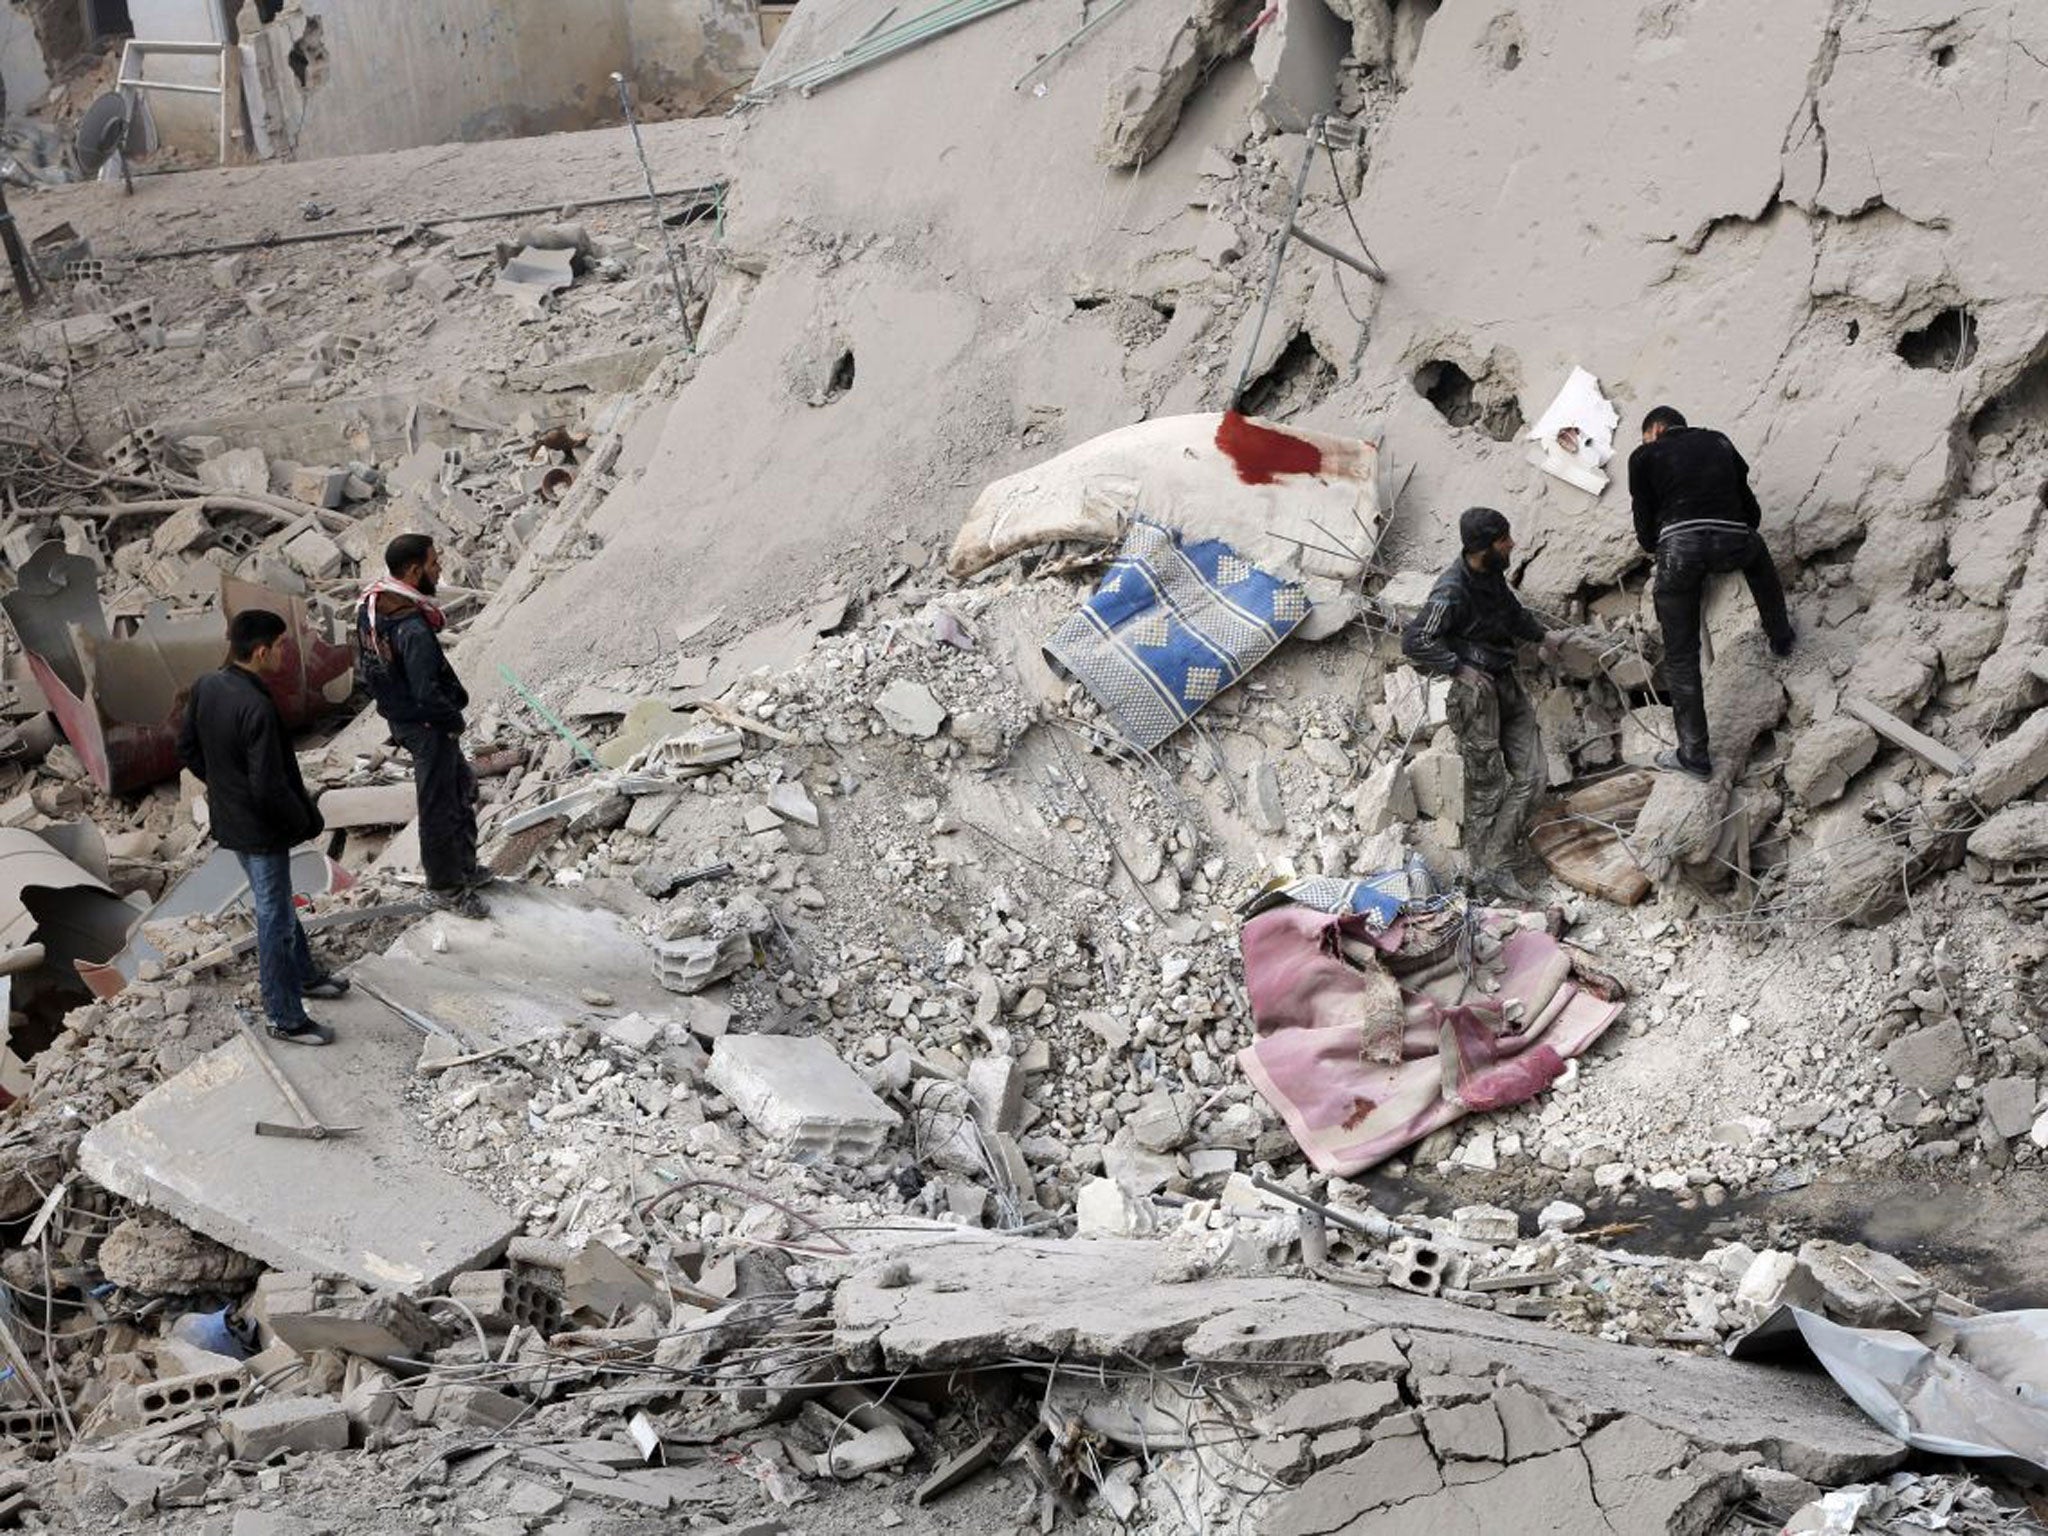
<point>1690,477</point>
<point>1472,619</point>
<point>234,741</point>
<point>417,686</point>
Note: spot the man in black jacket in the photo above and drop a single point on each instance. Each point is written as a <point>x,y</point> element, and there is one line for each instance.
<point>398,637</point>
<point>1468,630</point>
<point>1695,511</point>
<point>235,743</point>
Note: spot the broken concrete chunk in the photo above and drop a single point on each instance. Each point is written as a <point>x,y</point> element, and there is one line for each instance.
<point>1827,756</point>
<point>1930,1059</point>
<point>1485,1224</point>
<point>280,1426</point>
<point>795,1090</point>
<point>692,964</point>
<point>1332,1405</point>
<point>996,1084</point>
<point>1775,1279</point>
<point>1465,1432</point>
<point>460,1405</point>
<point>1862,1289</point>
<point>2018,834</point>
<point>1104,1208</point>
<point>790,801</point>
<point>872,1450</point>
<point>243,471</point>
<point>909,709</point>
<point>2009,1105</point>
<point>313,555</point>
<point>1263,804</point>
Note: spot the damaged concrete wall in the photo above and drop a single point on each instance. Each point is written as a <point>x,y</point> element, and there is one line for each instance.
<point>23,74</point>
<point>395,75</point>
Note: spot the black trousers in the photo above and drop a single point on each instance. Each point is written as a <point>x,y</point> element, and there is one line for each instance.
<point>1684,562</point>
<point>447,800</point>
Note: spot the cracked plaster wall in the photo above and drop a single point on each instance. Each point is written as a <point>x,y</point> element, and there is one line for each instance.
<point>402,74</point>
<point>1738,208</point>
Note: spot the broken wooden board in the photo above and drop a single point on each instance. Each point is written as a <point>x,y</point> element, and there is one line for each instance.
<point>1900,734</point>
<point>1580,837</point>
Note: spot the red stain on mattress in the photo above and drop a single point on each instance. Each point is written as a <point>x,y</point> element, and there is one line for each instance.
<point>1261,453</point>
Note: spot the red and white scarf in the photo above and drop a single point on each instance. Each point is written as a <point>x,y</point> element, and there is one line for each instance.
<point>366,614</point>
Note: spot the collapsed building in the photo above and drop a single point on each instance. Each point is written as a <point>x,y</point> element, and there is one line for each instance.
<point>908,1069</point>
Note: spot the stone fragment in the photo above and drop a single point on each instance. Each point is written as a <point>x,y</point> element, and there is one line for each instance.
<point>795,1090</point>
<point>872,1450</point>
<point>790,801</point>
<point>909,709</point>
<point>1104,1208</point>
<point>280,1426</point>
<point>319,487</point>
<point>1863,1289</point>
<point>462,1405</point>
<point>1930,1059</point>
<point>1560,1216</point>
<point>1827,756</point>
<point>2011,766</point>
<point>2009,1105</point>
<point>435,281</point>
<point>1389,1471</point>
<point>1896,675</point>
<point>1983,550</point>
<point>996,1084</point>
<point>1384,798</point>
<point>1485,1224</point>
<point>1263,804</point>
<point>1776,1279</point>
<point>2017,834</point>
<point>313,555</point>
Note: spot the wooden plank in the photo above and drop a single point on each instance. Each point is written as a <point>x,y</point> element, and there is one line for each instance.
<point>1900,734</point>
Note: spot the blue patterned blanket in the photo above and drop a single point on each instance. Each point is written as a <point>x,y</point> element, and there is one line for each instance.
<point>1172,625</point>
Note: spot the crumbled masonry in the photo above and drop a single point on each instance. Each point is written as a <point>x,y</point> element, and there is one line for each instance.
<point>840,1118</point>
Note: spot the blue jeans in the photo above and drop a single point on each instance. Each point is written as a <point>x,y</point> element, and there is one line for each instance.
<point>284,961</point>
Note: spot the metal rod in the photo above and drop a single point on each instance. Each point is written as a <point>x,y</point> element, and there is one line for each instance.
<point>919,29</point>
<point>668,247</point>
<point>1251,351</point>
<point>1072,41</point>
<point>1365,268</point>
<point>17,257</point>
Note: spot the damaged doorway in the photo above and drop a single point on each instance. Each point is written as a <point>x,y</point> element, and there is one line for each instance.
<point>106,19</point>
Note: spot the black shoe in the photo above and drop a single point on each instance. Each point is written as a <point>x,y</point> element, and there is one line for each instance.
<point>461,900</point>
<point>305,1032</point>
<point>1781,645</point>
<point>1671,762</point>
<point>326,988</point>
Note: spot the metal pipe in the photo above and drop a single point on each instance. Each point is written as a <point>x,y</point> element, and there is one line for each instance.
<point>919,29</point>
<point>1072,41</point>
<point>1273,273</point>
<point>668,246</point>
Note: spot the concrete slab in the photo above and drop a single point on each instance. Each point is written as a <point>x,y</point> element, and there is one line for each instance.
<point>376,1206</point>
<point>521,971</point>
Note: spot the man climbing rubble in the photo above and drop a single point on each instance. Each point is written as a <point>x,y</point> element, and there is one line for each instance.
<point>1695,511</point>
<point>235,742</point>
<point>1467,631</point>
<point>398,643</point>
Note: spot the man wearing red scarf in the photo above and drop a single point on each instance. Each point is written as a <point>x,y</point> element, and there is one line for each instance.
<point>398,639</point>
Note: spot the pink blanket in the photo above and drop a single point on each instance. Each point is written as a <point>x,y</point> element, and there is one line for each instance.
<point>1312,1062</point>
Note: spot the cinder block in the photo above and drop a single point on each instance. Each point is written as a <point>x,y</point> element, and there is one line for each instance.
<point>503,1301</point>
<point>1415,1265</point>
<point>279,1426</point>
<point>377,1327</point>
<point>319,487</point>
<point>796,1090</point>
<point>201,1390</point>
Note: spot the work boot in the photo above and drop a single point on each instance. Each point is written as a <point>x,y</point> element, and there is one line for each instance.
<point>1781,645</point>
<point>461,900</point>
<point>325,988</point>
<point>1671,762</point>
<point>304,1032</point>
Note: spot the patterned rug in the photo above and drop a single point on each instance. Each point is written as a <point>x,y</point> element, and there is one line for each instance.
<point>1172,625</point>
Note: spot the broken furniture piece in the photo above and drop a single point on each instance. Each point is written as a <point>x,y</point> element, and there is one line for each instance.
<point>120,698</point>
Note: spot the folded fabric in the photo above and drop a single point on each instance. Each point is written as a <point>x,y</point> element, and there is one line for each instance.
<point>1171,626</point>
<point>1321,1059</point>
<point>1379,899</point>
